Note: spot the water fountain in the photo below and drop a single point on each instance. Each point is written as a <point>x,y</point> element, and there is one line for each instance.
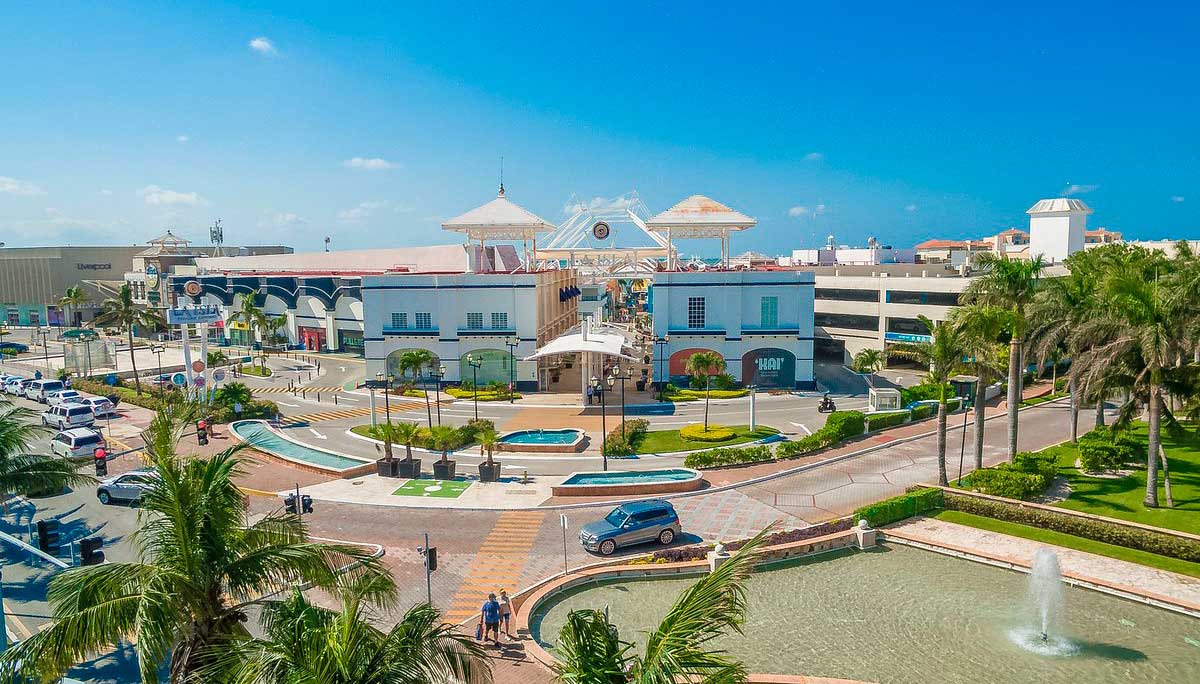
<point>1045,604</point>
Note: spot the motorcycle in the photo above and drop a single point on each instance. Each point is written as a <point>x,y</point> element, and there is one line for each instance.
<point>826,406</point>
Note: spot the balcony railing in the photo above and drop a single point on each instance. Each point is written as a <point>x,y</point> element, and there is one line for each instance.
<point>410,331</point>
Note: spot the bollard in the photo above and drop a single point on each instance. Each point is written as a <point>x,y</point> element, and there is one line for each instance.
<point>318,397</point>
<point>335,400</point>
<point>303,393</point>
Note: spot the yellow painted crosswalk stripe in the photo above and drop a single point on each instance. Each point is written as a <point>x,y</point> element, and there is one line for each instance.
<point>498,564</point>
<point>297,390</point>
<point>348,413</point>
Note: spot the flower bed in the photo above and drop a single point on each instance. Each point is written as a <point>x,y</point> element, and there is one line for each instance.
<point>698,433</point>
<point>483,395</point>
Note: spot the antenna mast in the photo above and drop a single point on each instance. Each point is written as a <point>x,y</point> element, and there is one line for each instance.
<point>216,235</point>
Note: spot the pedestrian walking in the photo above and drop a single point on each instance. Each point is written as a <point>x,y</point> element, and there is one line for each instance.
<point>489,619</point>
<point>505,612</point>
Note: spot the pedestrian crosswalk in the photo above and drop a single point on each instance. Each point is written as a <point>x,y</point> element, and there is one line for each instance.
<point>499,563</point>
<point>396,407</point>
<point>297,391</point>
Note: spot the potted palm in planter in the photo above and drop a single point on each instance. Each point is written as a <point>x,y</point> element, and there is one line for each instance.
<point>407,434</point>
<point>490,470</point>
<point>386,466</point>
<point>443,438</point>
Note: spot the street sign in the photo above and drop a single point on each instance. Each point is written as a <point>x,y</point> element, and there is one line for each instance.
<point>219,375</point>
<point>197,366</point>
<point>179,379</point>
<point>153,297</point>
<point>245,359</point>
<point>189,315</point>
<point>198,381</point>
<point>375,384</point>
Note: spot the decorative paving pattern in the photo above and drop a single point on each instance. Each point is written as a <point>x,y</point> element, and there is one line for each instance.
<point>349,413</point>
<point>499,563</point>
<point>729,515</point>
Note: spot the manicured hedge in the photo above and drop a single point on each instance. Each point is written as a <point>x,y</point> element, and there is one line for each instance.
<point>1028,475</point>
<point>727,456</point>
<point>840,425</point>
<point>1099,450</point>
<point>1098,530</point>
<point>714,433</point>
<point>900,507</point>
<point>620,443</point>
<point>880,421</point>
<point>483,395</point>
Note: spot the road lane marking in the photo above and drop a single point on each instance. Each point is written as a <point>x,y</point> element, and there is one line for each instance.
<point>317,434</point>
<point>802,427</point>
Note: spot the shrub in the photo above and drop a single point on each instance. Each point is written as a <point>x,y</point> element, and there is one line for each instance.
<point>1002,480</point>
<point>845,424</point>
<point>925,391</point>
<point>1088,528</point>
<point>922,411</point>
<point>1060,385</point>
<point>700,551</point>
<point>881,421</point>
<point>839,425</point>
<point>727,456</point>
<point>714,433</point>
<point>725,381</point>
<point>692,395</point>
<point>900,507</point>
<point>1099,450</point>
<point>1040,463</point>
<point>617,445</point>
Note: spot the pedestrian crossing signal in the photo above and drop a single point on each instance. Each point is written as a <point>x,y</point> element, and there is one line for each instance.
<point>48,536</point>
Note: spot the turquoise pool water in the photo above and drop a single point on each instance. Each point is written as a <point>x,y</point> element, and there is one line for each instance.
<point>259,436</point>
<point>906,616</point>
<point>631,477</point>
<point>565,436</point>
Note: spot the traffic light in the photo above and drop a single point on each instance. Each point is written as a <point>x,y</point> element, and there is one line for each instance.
<point>48,537</point>
<point>289,503</point>
<point>202,433</point>
<point>431,558</point>
<point>101,458</point>
<point>306,504</point>
<point>89,551</point>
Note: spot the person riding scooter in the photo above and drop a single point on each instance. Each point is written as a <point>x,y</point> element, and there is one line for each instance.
<point>826,405</point>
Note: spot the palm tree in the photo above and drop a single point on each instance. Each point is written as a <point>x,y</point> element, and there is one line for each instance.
<point>869,362</point>
<point>1010,284</point>
<point>982,327</point>
<point>200,570</point>
<point>248,314</point>
<point>73,298</point>
<point>488,439</point>
<point>304,642</point>
<point>1136,338</point>
<point>418,360</point>
<point>398,433</point>
<point>943,355</point>
<point>29,474</point>
<point>705,365</point>
<point>679,650</point>
<point>122,312</point>
<point>443,438</point>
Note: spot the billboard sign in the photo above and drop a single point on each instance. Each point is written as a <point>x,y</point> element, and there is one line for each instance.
<point>151,277</point>
<point>191,315</point>
<point>906,337</point>
<point>769,367</point>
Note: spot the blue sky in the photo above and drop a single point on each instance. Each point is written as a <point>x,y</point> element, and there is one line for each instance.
<point>371,124</point>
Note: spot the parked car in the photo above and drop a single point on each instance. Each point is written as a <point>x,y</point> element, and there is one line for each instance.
<point>77,443</point>
<point>130,486</point>
<point>38,389</point>
<point>101,407</point>
<point>631,523</point>
<point>63,396</point>
<point>66,416</point>
<point>17,386</point>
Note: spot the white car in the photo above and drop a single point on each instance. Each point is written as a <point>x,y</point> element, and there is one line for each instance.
<point>65,416</point>
<point>101,407</point>
<point>77,442</point>
<point>65,396</point>
<point>16,386</point>
<point>130,486</point>
<point>38,389</point>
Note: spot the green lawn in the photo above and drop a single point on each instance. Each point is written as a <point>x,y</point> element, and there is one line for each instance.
<point>1071,542</point>
<point>1041,400</point>
<point>445,489</point>
<point>660,441</point>
<point>256,370</point>
<point>1122,497</point>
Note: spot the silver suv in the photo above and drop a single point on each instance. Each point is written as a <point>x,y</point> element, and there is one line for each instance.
<point>131,486</point>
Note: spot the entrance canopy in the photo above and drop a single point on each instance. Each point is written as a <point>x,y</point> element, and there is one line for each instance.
<point>589,338</point>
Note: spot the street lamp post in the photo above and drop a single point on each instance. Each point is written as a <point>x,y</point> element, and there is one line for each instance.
<point>661,344</point>
<point>475,363</point>
<point>599,387</point>
<point>441,373</point>
<point>387,386</point>
<point>158,351</point>
<point>512,343</point>
<point>46,349</point>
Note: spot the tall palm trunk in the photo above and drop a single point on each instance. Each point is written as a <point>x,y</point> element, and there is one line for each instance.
<point>941,442</point>
<point>1074,410</point>
<point>1155,411</point>
<point>980,391</point>
<point>137,381</point>
<point>1099,409</point>
<point>707,391</point>
<point>428,409</point>
<point>1014,393</point>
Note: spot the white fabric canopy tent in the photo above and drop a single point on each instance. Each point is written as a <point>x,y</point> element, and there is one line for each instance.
<point>587,339</point>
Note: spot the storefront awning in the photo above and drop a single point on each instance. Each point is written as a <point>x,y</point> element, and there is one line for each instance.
<point>588,338</point>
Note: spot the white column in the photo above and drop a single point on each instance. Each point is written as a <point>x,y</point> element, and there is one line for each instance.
<point>187,354</point>
<point>203,332</point>
<point>331,340</point>
<point>292,333</point>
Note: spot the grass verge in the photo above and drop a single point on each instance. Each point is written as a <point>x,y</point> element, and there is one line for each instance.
<point>1068,541</point>
<point>660,441</point>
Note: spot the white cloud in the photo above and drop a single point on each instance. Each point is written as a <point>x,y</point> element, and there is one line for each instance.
<point>910,208</point>
<point>181,139</point>
<point>1177,199</point>
<point>16,186</point>
<point>1077,189</point>
<point>153,194</point>
<point>262,45</point>
<point>814,156</point>
<point>105,191</point>
<point>798,211</point>
<point>282,219</point>
<point>368,163</point>
<point>363,210</point>
<point>57,218</point>
<point>599,204</point>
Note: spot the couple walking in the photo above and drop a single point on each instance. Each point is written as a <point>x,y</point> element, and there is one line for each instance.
<point>493,612</point>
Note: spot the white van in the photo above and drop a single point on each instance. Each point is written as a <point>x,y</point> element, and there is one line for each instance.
<point>66,416</point>
<point>38,389</point>
<point>77,442</point>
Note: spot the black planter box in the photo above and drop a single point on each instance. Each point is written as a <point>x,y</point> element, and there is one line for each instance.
<point>408,469</point>
<point>386,468</point>
<point>489,473</point>
<point>444,470</point>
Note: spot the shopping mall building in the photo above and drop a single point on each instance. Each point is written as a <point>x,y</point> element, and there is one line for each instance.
<point>501,308</point>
